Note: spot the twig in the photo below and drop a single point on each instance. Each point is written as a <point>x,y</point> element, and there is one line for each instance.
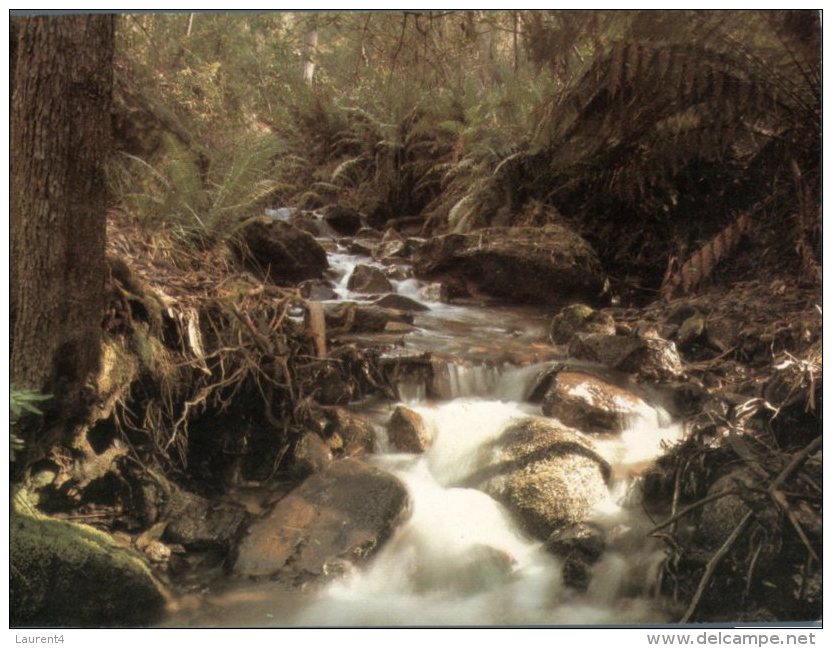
<point>712,565</point>
<point>797,460</point>
<point>693,507</point>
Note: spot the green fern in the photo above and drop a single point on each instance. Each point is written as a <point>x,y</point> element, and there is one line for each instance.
<point>22,401</point>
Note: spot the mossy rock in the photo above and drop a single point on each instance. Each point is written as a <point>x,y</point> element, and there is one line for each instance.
<point>65,574</point>
<point>579,318</point>
<point>547,475</point>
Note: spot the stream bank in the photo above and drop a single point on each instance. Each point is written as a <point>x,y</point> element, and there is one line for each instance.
<point>517,448</point>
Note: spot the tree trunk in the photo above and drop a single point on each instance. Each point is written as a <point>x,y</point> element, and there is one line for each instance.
<point>310,50</point>
<point>60,140</point>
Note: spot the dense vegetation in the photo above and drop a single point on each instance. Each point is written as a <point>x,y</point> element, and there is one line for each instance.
<point>649,132</point>
<point>168,350</point>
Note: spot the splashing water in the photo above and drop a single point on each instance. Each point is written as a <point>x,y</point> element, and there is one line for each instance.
<point>461,558</point>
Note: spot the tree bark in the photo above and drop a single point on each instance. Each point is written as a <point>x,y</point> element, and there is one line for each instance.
<point>60,140</point>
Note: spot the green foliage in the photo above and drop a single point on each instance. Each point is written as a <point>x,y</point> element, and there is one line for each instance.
<point>688,116</point>
<point>203,206</point>
<point>671,121</point>
<point>22,401</point>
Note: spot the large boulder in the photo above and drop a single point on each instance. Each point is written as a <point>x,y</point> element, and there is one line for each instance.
<point>72,575</point>
<point>523,264</point>
<point>367,279</point>
<point>548,476</point>
<point>281,252</point>
<point>341,515</point>
<point>649,357</point>
<point>408,431</point>
<point>590,404</point>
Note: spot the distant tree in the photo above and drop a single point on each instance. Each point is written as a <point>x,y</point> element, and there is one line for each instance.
<point>60,137</point>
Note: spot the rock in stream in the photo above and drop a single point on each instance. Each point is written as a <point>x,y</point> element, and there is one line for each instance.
<point>547,475</point>
<point>340,515</point>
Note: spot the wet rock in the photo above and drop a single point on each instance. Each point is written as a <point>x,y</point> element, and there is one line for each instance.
<point>398,327</point>
<point>435,292</point>
<point>579,546</point>
<point>317,290</point>
<point>408,431</point>
<point>198,523</point>
<point>400,302</point>
<point>308,222</point>
<point>153,534</point>
<point>361,247</point>
<point>398,272</point>
<point>280,251</point>
<point>579,318</point>
<point>72,575</point>
<point>367,279</point>
<point>391,246</point>
<point>344,513</point>
<point>651,358</point>
<point>355,432</point>
<point>522,264</point>
<point>312,454</point>
<point>590,404</point>
<point>343,220</point>
<point>548,476</point>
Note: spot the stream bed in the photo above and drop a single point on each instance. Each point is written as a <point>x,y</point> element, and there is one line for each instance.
<point>460,557</point>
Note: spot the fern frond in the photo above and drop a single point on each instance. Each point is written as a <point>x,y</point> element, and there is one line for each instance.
<point>701,263</point>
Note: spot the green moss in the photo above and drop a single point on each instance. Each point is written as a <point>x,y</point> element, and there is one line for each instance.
<point>568,322</point>
<point>146,347</point>
<point>74,575</point>
<point>691,329</point>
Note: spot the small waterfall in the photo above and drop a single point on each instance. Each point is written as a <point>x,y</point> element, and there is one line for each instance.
<point>461,558</point>
<point>453,379</point>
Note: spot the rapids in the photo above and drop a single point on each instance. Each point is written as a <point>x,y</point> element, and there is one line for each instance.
<point>460,558</point>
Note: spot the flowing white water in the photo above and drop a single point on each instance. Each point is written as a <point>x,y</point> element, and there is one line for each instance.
<point>461,558</point>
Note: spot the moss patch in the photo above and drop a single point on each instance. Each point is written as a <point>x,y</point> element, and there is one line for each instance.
<point>65,574</point>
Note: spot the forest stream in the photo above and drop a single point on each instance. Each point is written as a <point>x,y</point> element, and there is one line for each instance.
<point>415,318</point>
<point>460,557</point>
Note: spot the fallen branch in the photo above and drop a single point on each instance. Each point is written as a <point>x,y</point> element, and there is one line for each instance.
<point>692,507</point>
<point>712,565</point>
<point>796,462</point>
